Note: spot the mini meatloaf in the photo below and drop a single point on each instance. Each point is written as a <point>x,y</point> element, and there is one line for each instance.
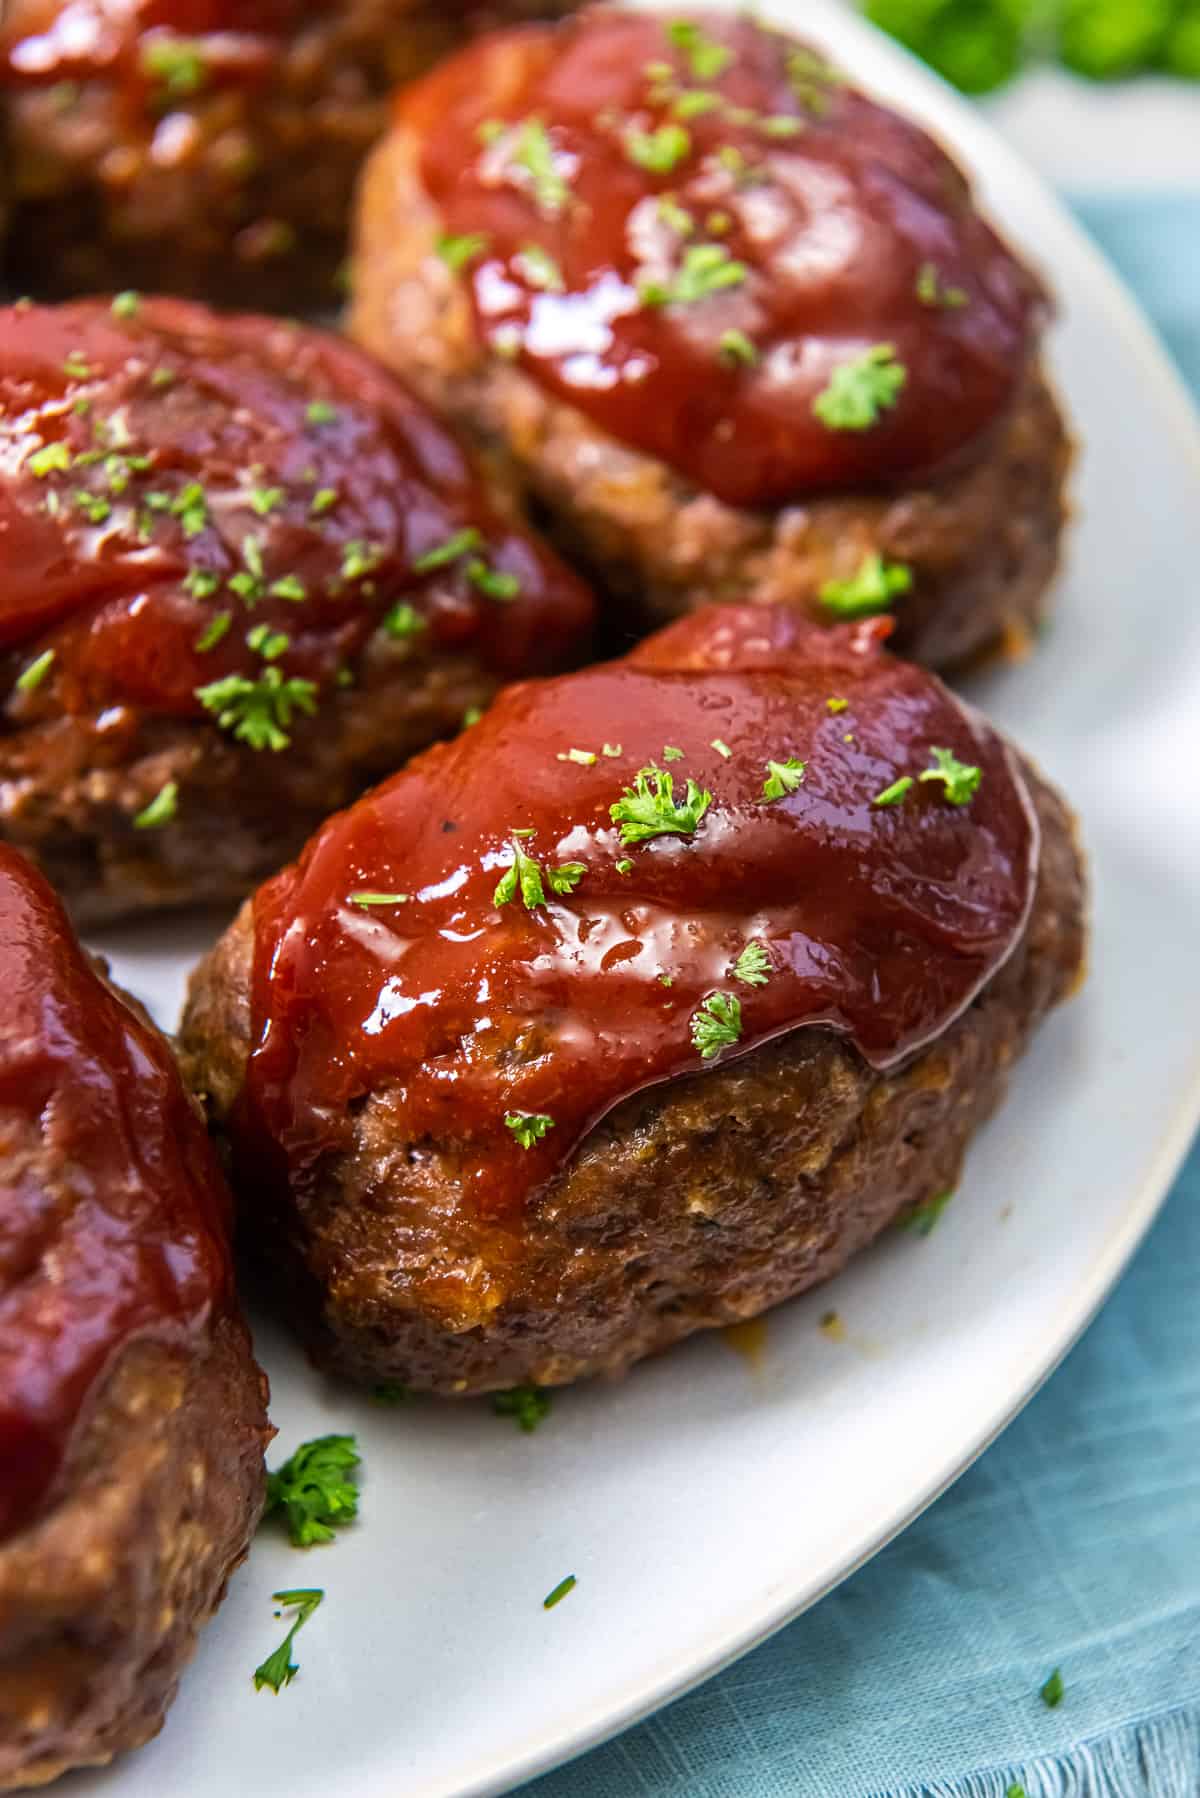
<point>206,146</point>
<point>132,1413</point>
<point>242,574</point>
<point>638,1008</point>
<point>741,329</point>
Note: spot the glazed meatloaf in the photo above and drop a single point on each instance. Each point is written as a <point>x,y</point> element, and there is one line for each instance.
<point>742,330</point>
<point>132,1414</point>
<point>209,147</point>
<point>242,574</point>
<point>635,1010</point>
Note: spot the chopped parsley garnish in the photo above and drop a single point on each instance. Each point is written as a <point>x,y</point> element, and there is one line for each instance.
<point>161,809</point>
<point>201,583</point>
<point>471,716</point>
<point>267,643</point>
<point>32,677</point>
<point>930,291</point>
<point>528,1126</point>
<point>523,876</point>
<point>695,102</point>
<point>736,350</point>
<point>212,633</point>
<point>722,748</point>
<point>895,793</point>
<point>870,590</point>
<point>321,412</point>
<point>707,268</point>
<point>752,966</point>
<point>960,779</point>
<point>288,586</point>
<point>249,583</point>
<point>560,1592</point>
<point>176,63</point>
<point>611,749</point>
<point>782,777</point>
<point>671,753</point>
<point>835,703</point>
<point>1052,1691</point>
<point>163,377</point>
<point>366,900</point>
<point>323,500</point>
<point>708,59</point>
<point>716,1023</point>
<point>1015,1791</point>
<point>496,583</point>
<point>404,621</point>
<point>624,867</point>
<point>76,366</point>
<point>279,1669</point>
<point>781,124</point>
<point>360,559</point>
<point>861,389</point>
<point>265,499</point>
<point>566,877</point>
<point>456,252</point>
<point>659,151</point>
<point>51,456</point>
<point>259,712</point>
<point>923,1219</point>
<point>526,1405</point>
<point>449,551</point>
<point>676,217</point>
<point>537,267</point>
<point>94,506</point>
<point>648,807</point>
<point>585,758</point>
<point>535,154</point>
<point>313,1489</point>
<point>127,304</point>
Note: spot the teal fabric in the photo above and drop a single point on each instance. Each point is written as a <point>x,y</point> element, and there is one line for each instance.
<point>1074,1542</point>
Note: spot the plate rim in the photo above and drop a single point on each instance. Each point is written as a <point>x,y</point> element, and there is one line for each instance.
<point>983,143</point>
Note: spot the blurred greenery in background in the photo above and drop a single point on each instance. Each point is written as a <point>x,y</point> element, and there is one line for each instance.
<point>980,44</point>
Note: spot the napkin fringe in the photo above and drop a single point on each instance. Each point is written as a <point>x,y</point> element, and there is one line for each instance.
<point>1156,1758</point>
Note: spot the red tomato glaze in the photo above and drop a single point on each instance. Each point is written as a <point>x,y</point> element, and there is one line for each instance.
<point>685,226</point>
<point>881,921</point>
<point>114,1216</point>
<point>173,473</point>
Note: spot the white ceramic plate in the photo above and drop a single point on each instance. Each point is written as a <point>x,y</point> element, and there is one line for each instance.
<point>704,1502</point>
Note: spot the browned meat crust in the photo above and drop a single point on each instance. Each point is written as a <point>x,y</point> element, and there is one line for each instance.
<point>983,544</point>
<point>102,1599</point>
<point>692,1205</point>
<point>249,182</point>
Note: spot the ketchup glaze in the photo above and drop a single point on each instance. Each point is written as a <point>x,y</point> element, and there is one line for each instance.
<point>396,953</point>
<point>187,496</point>
<point>685,226</point>
<point>115,1225</point>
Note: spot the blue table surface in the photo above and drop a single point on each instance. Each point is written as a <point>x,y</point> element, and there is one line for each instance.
<point>1074,1542</point>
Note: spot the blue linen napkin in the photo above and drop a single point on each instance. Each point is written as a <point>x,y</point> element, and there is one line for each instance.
<point>1073,1543</point>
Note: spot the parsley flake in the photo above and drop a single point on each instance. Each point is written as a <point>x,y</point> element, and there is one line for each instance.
<point>259,712</point>
<point>930,291</point>
<point>707,268</point>
<point>360,559</point>
<point>176,63</point>
<point>161,809</point>
<point>526,1405</point>
<point>94,506</point>
<point>560,1592</point>
<point>895,793</point>
<point>528,1126</point>
<point>46,460</point>
<point>366,900</point>
<point>922,1220</point>
<point>279,1669</point>
<point>212,633</point>
<point>671,753</point>
<point>538,268</point>
<point>456,252</point>
<point>321,412</point>
<point>736,350</point>
<point>496,583</point>
<point>313,1489</point>
<point>267,643</point>
<point>523,876</point>
<point>960,779</point>
<point>534,153</point>
<point>716,1023</point>
<point>659,151</point>
<point>870,590</point>
<point>835,704</point>
<point>584,757</point>
<point>76,366</point>
<point>566,877</point>
<point>127,304</point>
<point>201,583</point>
<point>1053,1690</point>
<point>861,389</point>
<point>676,217</point>
<point>404,621</point>
<point>288,586</point>
<point>624,867</point>
<point>31,678</point>
<point>648,807</point>
<point>722,748</point>
<point>752,966</point>
<point>265,499</point>
<point>449,551</point>
<point>708,59</point>
<point>323,500</point>
<point>782,777</point>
